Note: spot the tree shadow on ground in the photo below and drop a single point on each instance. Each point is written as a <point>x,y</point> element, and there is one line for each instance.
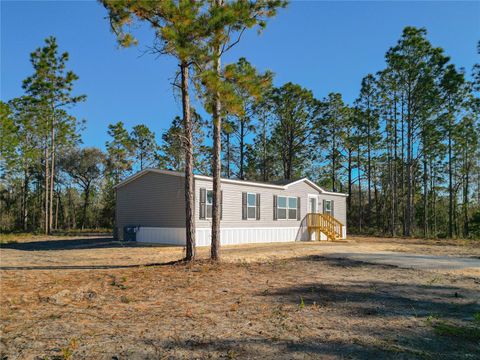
<point>384,299</point>
<point>380,298</point>
<point>75,244</point>
<point>270,348</point>
<point>393,346</point>
<point>343,262</point>
<point>89,267</point>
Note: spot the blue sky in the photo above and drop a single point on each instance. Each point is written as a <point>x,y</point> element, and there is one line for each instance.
<point>323,46</point>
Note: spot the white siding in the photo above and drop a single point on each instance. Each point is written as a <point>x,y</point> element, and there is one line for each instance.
<point>228,236</point>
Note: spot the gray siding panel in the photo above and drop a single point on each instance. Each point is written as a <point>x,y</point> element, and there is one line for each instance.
<point>153,200</point>
<point>340,206</point>
<point>232,204</point>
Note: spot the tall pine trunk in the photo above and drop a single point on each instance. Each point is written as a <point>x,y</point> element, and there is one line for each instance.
<point>360,205</point>
<point>217,150</point>
<point>47,178</point>
<point>425,194</point>
<point>242,149</point>
<point>466,185</point>
<point>52,172</point>
<point>264,152</point>
<point>434,199</point>
<point>403,167</point>
<point>189,186</point>
<point>57,206</point>
<point>349,198</point>
<point>408,209</point>
<point>229,155</point>
<point>334,159</point>
<point>450,181</point>
<point>24,200</point>
<point>369,173</point>
<point>395,169</point>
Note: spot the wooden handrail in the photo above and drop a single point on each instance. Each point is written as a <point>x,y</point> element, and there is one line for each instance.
<point>325,223</point>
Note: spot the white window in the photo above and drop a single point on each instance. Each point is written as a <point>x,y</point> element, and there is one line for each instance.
<point>328,208</point>
<point>292,208</point>
<point>286,208</point>
<point>209,204</point>
<point>251,206</point>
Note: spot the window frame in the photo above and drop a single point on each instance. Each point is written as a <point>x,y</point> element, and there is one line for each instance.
<point>208,204</point>
<point>287,207</point>
<point>330,210</point>
<point>252,206</point>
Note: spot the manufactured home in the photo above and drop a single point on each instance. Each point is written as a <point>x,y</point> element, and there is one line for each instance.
<point>152,202</point>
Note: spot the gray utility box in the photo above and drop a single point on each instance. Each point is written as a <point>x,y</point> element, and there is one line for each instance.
<point>130,233</point>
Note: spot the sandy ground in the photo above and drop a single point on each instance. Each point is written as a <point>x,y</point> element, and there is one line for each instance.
<point>87,298</point>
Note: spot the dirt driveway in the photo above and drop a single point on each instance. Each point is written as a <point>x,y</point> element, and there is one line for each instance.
<point>103,252</point>
<point>413,261</point>
<point>95,299</point>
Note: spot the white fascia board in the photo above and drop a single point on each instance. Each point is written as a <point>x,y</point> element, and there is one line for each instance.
<point>334,193</point>
<point>315,186</point>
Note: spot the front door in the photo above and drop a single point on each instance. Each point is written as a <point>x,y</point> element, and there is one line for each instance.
<point>313,205</point>
<point>312,208</point>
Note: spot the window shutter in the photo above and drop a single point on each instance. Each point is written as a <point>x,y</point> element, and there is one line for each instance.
<point>244,206</point>
<point>274,207</point>
<point>299,216</point>
<point>258,207</point>
<point>333,208</point>
<point>323,208</point>
<point>221,204</point>
<point>203,198</point>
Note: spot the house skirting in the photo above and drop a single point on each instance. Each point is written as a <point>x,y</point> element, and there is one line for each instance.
<point>228,236</point>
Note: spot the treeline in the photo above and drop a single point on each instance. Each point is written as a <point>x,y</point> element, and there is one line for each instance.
<point>406,150</point>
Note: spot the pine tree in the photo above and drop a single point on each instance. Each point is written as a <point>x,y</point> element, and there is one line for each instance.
<point>248,87</point>
<point>179,26</point>
<point>50,89</point>
<point>144,146</point>
<point>369,131</point>
<point>295,111</point>
<point>329,134</point>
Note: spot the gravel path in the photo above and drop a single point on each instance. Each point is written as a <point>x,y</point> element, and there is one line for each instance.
<point>408,260</point>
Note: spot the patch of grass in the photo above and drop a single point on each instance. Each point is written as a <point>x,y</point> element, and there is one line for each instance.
<point>231,354</point>
<point>14,237</point>
<point>476,317</point>
<point>10,238</point>
<point>448,329</point>
<point>67,351</point>
<point>77,232</point>
<point>302,303</point>
<point>434,280</point>
<point>432,317</point>
<point>118,284</point>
